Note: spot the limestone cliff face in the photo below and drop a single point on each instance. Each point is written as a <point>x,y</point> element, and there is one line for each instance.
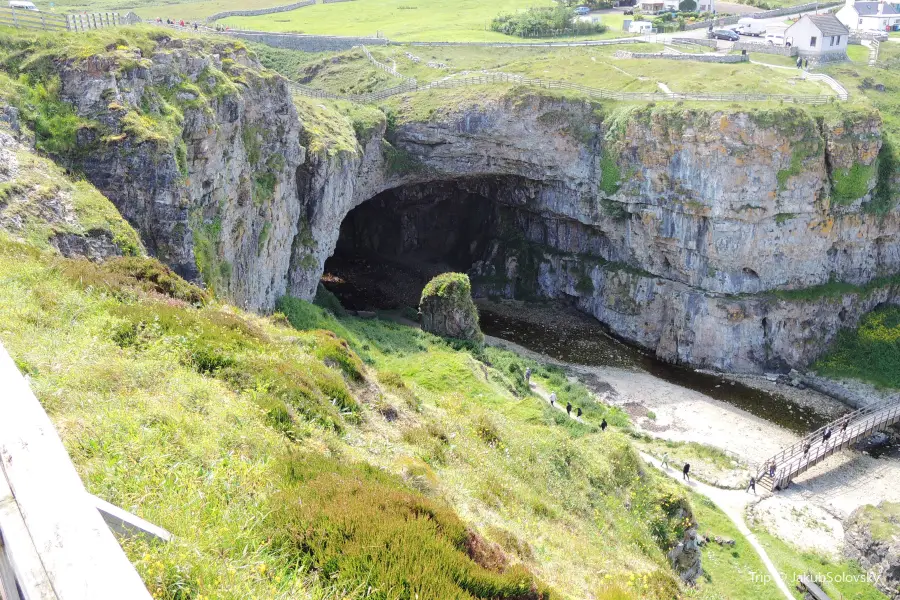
<point>198,148</point>
<point>673,226</point>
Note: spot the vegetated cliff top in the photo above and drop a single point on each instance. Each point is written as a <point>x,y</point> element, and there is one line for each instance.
<point>882,521</point>
<point>35,69</point>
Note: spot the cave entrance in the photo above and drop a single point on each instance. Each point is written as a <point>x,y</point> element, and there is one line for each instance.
<point>390,246</point>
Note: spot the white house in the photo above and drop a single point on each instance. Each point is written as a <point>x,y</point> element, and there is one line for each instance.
<point>652,7</point>
<point>869,16</point>
<point>819,36</point>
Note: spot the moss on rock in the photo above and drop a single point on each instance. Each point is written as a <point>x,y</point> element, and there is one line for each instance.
<point>448,310</point>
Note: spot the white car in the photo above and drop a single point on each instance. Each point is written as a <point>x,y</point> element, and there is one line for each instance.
<point>22,5</point>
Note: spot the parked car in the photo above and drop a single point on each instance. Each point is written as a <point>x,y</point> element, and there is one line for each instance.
<point>582,10</point>
<point>778,39</point>
<point>724,34</point>
<point>22,5</point>
<point>628,11</point>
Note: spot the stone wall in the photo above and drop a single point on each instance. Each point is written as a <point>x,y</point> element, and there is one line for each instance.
<point>766,48</point>
<point>709,58</point>
<point>306,43</point>
<point>259,11</point>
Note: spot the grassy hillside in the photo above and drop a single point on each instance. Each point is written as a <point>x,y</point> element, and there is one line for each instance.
<point>242,436</point>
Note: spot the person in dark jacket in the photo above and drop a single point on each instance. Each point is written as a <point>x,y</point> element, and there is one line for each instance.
<point>569,408</point>
<point>799,63</point>
<point>578,412</point>
<point>603,425</point>
<point>685,472</point>
<point>752,485</point>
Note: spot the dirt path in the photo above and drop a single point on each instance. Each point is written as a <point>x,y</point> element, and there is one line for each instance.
<point>734,504</point>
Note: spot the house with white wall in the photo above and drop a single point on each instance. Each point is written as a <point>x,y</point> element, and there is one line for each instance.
<point>869,16</point>
<point>819,36</point>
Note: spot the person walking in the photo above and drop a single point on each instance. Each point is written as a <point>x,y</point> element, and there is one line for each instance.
<point>528,376</point>
<point>826,434</point>
<point>603,425</point>
<point>844,425</point>
<point>772,470</point>
<point>799,63</point>
<point>578,412</point>
<point>806,448</point>
<point>665,461</point>
<point>685,472</point>
<point>752,485</point>
<point>806,64</point>
<point>569,408</point>
<point>552,398</point>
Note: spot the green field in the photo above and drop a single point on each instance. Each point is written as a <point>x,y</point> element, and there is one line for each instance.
<point>590,66</point>
<point>405,20</point>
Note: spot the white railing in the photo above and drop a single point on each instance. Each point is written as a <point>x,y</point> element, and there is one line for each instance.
<point>54,543</point>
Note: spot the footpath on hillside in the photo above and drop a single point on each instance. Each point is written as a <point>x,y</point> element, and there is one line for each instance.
<point>731,502</point>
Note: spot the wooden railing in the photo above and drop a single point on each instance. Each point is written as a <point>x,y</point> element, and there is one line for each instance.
<point>43,21</point>
<point>814,448</point>
<point>32,19</point>
<point>54,542</point>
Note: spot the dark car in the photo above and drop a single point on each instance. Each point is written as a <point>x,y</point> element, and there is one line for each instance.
<point>628,11</point>
<point>724,34</point>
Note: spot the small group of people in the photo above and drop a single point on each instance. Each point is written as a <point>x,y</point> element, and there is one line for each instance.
<point>569,407</point>
<point>180,23</point>
<point>803,63</point>
<point>685,470</point>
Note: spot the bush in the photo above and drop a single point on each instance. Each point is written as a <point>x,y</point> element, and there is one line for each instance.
<point>544,22</point>
<point>327,300</point>
<point>871,352</point>
<point>362,527</point>
<point>133,274</point>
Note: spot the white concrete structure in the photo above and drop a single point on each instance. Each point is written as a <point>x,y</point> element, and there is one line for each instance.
<point>652,7</point>
<point>869,16</point>
<point>819,36</point>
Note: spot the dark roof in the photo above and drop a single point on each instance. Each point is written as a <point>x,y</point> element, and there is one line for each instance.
<point>829,25</point>
<point>870,9</point>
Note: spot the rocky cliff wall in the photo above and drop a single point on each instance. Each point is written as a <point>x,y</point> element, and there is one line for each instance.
<point>714,238</point>
<point>725,238</point>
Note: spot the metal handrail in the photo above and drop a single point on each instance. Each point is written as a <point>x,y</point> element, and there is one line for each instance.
<point>792,460</point>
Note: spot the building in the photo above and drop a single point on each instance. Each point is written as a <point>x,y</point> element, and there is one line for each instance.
<point>652,7</point>
<point>869,16</point>
<point>819,36</point>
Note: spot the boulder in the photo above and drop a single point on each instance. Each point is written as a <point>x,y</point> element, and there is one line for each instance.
<point>448,310</point>
<point>685,557</point>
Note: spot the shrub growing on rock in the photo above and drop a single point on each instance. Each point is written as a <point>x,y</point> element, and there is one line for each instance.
<point>448,310</point>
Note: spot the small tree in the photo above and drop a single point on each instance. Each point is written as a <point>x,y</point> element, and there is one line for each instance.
<point>687,5</point>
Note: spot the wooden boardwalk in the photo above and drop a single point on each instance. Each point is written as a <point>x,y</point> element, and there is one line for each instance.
<point>830,439</point>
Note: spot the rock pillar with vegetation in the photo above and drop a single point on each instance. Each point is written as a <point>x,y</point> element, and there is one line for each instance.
<point>873,539</point>
<point>448,310</point>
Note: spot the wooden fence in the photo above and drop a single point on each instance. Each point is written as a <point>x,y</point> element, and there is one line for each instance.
<point>42,21</point>
<point>32,19</point>
<point>503,78</point>
<point>86,22</point>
